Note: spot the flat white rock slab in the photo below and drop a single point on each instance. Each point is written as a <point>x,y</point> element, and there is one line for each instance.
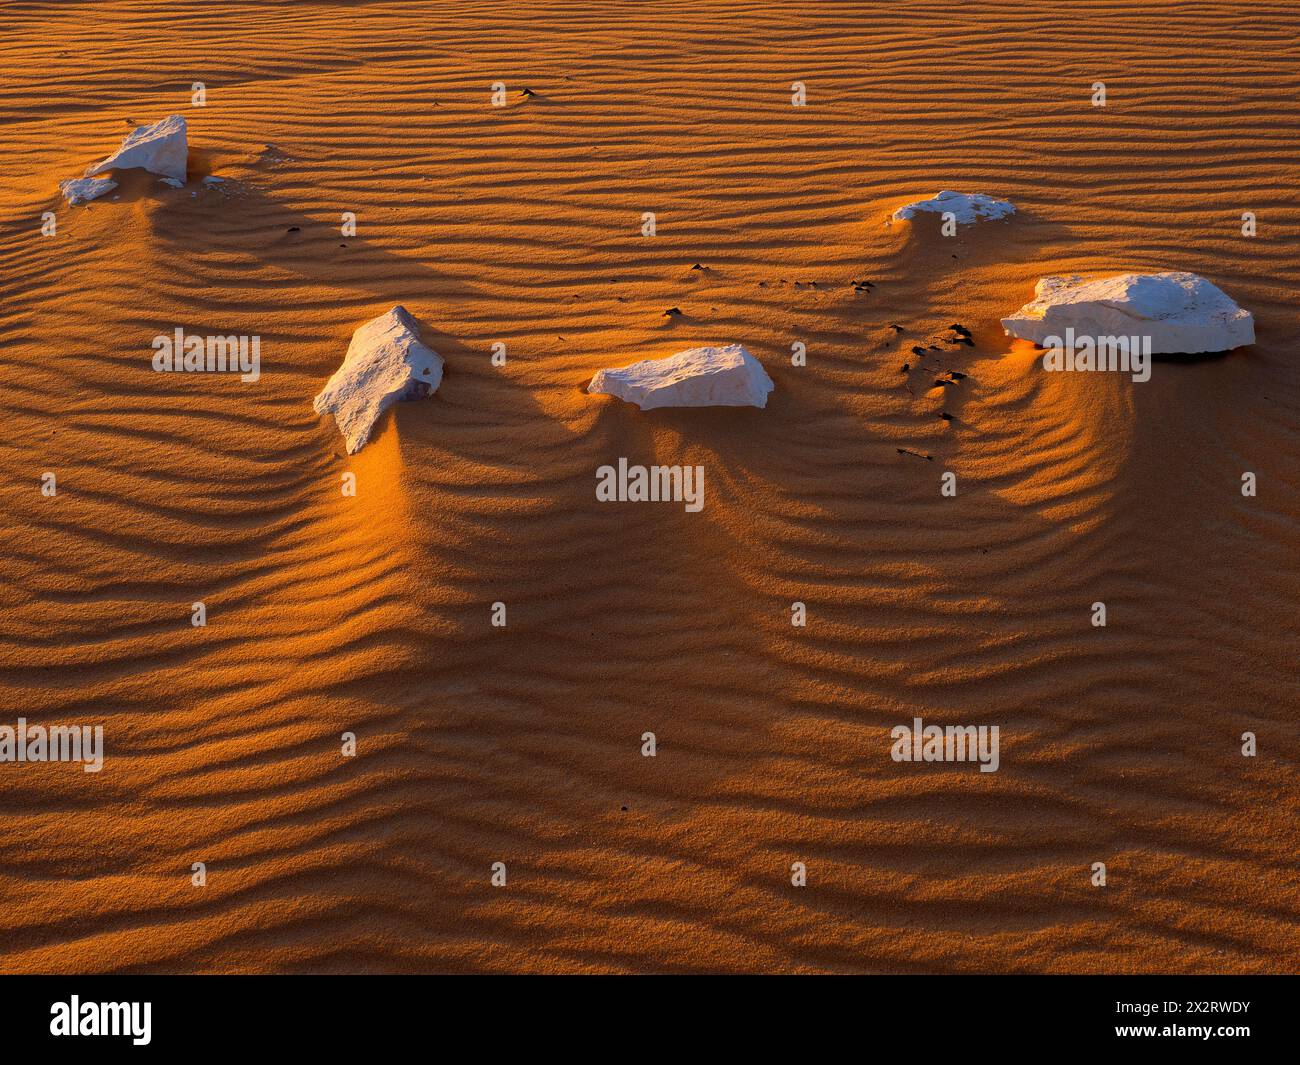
<point>700,377</point>
<point>966,207</point>
<point>386,363</point>
<point>161,149</point>
<point>1182,313</point>
<point>80,190</point>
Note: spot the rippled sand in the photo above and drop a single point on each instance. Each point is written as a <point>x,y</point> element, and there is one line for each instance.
<point>522,745</point>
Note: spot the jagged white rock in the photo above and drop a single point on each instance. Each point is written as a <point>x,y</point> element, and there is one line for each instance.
<point>1181,312</point>
<point>386,362</point>
<point>700,377</point>
<point>80,190</point>
<point>161,149</point>
<point>966,207</point>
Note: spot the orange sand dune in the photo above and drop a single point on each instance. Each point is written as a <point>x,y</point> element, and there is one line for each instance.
<point>522,225</point>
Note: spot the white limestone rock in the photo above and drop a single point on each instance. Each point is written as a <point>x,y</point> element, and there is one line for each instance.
<point>161,149</point>
<point>966,207</point>
<point>1181,312</point>
<point>386,362</point>
<point>81,190</point>
<point>700,377</point>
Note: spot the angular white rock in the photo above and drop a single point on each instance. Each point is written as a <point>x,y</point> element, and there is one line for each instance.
<point>161,149</point>
<point>700,377</point>
<point>1181,312</point>
<point>386,362</point>
<point>79,190</point>
<point>966,207</point>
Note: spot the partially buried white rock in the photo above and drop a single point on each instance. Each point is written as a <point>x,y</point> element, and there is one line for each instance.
<point>80,190</point>
<point>161,149</point>
<point>386,362</point>
<point>966,207</point>
<point>701,377</point>
<point>1181,312</point>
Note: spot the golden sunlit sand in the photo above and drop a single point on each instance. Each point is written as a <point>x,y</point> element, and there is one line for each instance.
<point>521,226</point>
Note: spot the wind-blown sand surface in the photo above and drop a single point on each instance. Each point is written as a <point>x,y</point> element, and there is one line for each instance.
<point>522,225</point>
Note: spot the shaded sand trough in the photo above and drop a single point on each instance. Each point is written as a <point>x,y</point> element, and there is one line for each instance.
<point>521,225</point>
